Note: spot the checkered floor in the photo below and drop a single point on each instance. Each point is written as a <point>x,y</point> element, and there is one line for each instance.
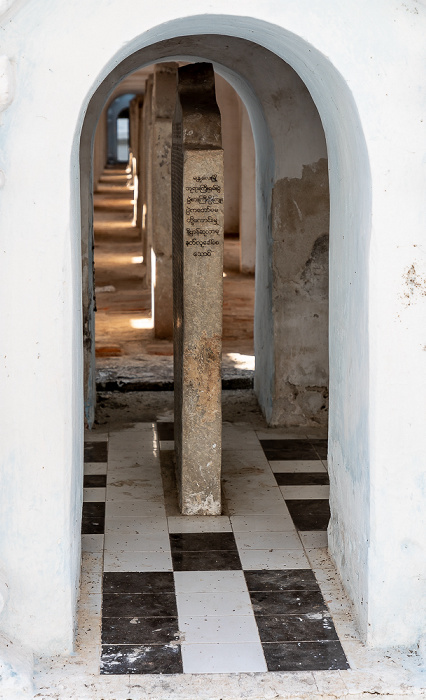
<point>232,593</point>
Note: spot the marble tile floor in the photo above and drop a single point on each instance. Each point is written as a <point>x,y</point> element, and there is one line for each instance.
<point>238,601</point>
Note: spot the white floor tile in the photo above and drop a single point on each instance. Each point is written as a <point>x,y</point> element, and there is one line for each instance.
<point>265,503</point>
<point>217,604</point>
<point>95,468</point>
<point>218,630</point>
<point>137,508</point>
<point>137,561</point>
<point>244,462</point>
<point>239,437</point>
<point>223,658</point>
<point>94,495</point>
<point>145,542</point>
<point>199,523</point>
<point>320,558</point>
<point>209,582</point>
<point>138,487</point>
<point>148,475</point>
<point>300,492</point>
<point>149,486</point>
<point>290,466</point>
<point>92,543</point>
<point>92,603</point>
<point>136,502</point>
<point>275,559</point>
<point>263,523</point>
<point>134,525</point>
<point>91,562</point>
<point>90,582</point>
<point>315,539</point>
<point>267,540</point>
<point>129,458</point>
<point>249,483</point>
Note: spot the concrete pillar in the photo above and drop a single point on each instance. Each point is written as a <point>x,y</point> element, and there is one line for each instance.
<point>163,107</point>
<point>100,148</point>
<point>228,102</point>
<point>197,199</point>
<point>134,125</point>
<point>135,110</point>
<point>140,168</point>
<point>146,184</point>
<point>247,195</point>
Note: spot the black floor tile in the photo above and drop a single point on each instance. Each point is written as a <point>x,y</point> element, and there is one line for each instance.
<point>309,514</point>
<point>165,430</point>
<point>139,605</point>
<point>305,656</point>
<point>296,628</point>
<point>206,561</point>
<point>95,451</point>
<point>139,630</point>
<point>203,542</point>
<point>278,580</point>
<point>93,520</point>
<point>302,479</point>
<point>94,480</point>
<point>138,582</point>
<point>288,449</point>
<point>287,602</point>
<point>321,446</point>
<point>121,659</point>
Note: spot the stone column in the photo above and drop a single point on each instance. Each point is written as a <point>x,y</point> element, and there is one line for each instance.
<point>146,180</point>
<point>135,117</point>
<point>197,199</point>
<point>228,102</point>
<point>247,195</point>
<point>163,107</point>
<point>140,167</point>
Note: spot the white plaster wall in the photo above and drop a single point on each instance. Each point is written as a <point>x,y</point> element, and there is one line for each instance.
<point>371,96</point>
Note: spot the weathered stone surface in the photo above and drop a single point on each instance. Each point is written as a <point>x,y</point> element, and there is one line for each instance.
<point>145,192</point>
<point>197,162</point>
<point>163,106</point>
<point>300,213</point>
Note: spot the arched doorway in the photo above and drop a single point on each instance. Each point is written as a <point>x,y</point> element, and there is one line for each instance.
<point>278,169</point>
<point>350,212</point>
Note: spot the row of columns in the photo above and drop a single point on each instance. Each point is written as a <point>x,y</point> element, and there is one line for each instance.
<point>151,117</point>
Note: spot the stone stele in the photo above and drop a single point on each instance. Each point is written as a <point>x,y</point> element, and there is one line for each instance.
<point>197,204</point>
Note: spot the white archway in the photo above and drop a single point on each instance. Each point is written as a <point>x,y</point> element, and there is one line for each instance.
<point>350,196</point>
<point>43,479</point>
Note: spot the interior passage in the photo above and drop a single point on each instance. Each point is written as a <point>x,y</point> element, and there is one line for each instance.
<point>127,353</point>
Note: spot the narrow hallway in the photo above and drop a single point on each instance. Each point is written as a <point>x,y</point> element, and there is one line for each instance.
<point>127,353</point>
